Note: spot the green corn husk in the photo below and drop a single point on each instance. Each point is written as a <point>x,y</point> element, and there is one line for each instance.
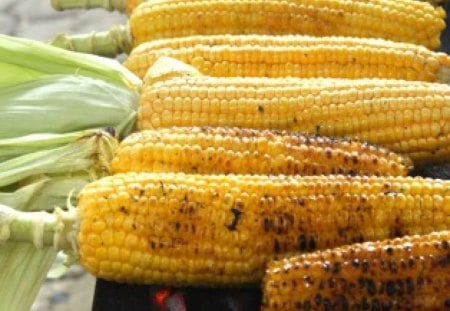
<point>42,182</point>
<point>65,103</point>
<point>18,146</point>
<point>87,154</point>
<point>23,60</point>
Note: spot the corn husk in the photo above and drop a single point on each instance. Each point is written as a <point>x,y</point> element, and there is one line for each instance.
<point>90,154</point>
<point>41,181</point>
<point>23,60</point>
<point>63,104</point>
<point>18,146</point>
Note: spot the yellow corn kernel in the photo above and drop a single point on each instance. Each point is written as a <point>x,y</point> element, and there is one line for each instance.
<point>295,56</point>
<point>372,110</point>
<point>400,20</point>
<point>222,229</point>
<point>405,273</point>
<point>209,150</point>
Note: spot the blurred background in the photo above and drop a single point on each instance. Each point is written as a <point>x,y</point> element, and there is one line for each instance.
<point>37,20</point>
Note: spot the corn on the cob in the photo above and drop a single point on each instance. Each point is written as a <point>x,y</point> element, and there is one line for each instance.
<point>410,273</point>
<point>296,56</point>
<point>401,20</point>
<point>222,229</point>
<point>127,6</point>
<point>405,116</point>
<point>245,151</point>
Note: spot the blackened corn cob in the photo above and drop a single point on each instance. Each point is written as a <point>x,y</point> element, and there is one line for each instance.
<point>222,229</point>
<point>409,273</point>
<point>210,150</point>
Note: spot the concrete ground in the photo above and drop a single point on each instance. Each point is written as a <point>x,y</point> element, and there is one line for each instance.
<point>36,19</point>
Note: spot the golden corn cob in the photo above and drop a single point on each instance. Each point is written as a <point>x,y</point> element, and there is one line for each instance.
<point>409,273</point>
<point>400,20</point>
<point>209,150</point>
<point>222,229</point>
<point>407,117</point>
<point>296,56</point>
<point>127,6</point>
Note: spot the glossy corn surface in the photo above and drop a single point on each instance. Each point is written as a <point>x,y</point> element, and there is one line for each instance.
<point>409,273</point>
<point>209,150</point>
<point>217,230</point>
<point>407,117</point>
<point>295,56</point>
<point>132,4</point>
<point>400,20</point>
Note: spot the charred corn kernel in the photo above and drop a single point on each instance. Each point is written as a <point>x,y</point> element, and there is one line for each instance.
<point>401,20</point>
<point>222,229</point>
<point>408,273</point>
<point>296,56</point>
<point>209,150</point>
<point>407,117</point>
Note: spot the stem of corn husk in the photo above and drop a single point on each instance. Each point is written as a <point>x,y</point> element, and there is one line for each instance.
<point>115,41</point>
<point>110,5</point>
<point>57,229</point>
<point>45,179</point>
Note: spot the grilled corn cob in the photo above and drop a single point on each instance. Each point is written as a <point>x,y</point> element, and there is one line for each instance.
<point>127,6</point>
<point>296,56</point>
<point>410,273</point>
<point>244,151</point>
<point>407,117</point>
<point>222,229</point>
<point>401,20</point>
<point>197,229</point>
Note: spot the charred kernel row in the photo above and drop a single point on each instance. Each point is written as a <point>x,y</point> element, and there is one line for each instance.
<point>295,56</point>
<point>410,273</point>
<point>400,20</point>
<point>407,117</point>
<point>210,150</point>
<point>222,229</point>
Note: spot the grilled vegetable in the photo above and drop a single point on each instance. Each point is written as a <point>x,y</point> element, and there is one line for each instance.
<point>401,20</point>
<point>407,117</point>
<point>222,229</point>
<point>296,56</point>
<point>127,6</point>
<point>244,151</point>
<point>409,273</point>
